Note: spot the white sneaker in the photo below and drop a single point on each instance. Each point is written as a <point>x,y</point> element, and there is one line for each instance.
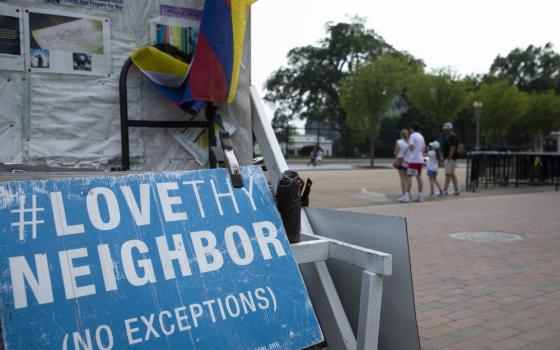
<point>456,193</point>
<point>405,198</point>
<point>418,198</point>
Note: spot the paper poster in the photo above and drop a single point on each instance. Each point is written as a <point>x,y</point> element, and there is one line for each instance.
<point>180,12</point>
<point>96,4</point>
<point>62,43</point>
<point>11,38</point>
<point>195,140</point>
<point>179,32</point>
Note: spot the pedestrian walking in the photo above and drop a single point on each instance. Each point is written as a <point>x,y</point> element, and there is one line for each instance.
<point>450,154</point>
<point>313,157</point>
<point>432,169</point>
<point>415,159</point>
<point>401,148</point>
<point>319,156</point>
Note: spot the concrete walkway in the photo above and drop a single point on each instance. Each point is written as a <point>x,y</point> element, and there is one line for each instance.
<point>485,295</point>
<point>470,294</point>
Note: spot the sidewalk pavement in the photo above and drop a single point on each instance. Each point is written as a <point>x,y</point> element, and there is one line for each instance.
<point>485,295</point>
<point>469,294</point>
<point>365,187</point>
<point>346,164</point>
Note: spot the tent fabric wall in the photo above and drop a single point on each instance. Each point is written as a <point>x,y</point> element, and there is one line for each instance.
<point>10,118</point>
<point>73,120</point>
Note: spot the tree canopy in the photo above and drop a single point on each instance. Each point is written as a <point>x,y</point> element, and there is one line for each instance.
<point>503,105</point>
<point>438,96</point>
<point>542,116</point>
<point>367,94</point>
<point>308,87</point>
<point>349,80</point>
<point>532,69</point>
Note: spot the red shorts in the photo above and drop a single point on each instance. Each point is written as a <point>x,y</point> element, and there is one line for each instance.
<point>414,169</point>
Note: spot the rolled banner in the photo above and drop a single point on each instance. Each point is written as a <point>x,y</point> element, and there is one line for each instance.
<point>288,201</point>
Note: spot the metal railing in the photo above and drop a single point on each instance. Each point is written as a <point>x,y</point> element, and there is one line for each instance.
<point>512,168</point>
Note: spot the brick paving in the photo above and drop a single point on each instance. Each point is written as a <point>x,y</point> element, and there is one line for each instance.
<point>476,295</point>
<point>485,295</point>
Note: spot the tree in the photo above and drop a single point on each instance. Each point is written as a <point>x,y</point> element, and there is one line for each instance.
<point>281,122</point>
<point>503,105</point>
<point>438,96</point>
<point>542,116</point>
<point>532,69</point>
<point>367,94</point>
<point>284,131</point>
<point>308,87</point>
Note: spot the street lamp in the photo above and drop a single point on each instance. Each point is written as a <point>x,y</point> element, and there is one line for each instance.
<point>477,111</point>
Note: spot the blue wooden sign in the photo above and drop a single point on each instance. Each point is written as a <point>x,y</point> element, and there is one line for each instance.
<point>176,260</point>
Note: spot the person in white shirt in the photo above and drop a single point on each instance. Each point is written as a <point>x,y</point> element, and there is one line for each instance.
<point>415,159</point>
<point>401,148</point>
<point>432,166</point>
<point>319,156</point>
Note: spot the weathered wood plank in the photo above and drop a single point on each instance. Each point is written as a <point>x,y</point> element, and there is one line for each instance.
<point>266,139</point>
<point>364,258</point>
<point>310,251</point>
<point>328,307</point>
<point>370,311</point>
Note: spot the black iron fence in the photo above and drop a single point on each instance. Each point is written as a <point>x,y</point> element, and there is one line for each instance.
<point>512,168</point>
<point>350,143</point>
<point>354,143</point>
<point>344,143</point>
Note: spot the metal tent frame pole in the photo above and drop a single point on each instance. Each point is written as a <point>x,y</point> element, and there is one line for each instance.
<point>314,251</point>
<point>126,123</point>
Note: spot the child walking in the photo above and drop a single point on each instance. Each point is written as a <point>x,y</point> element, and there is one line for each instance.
<point>432,166</point>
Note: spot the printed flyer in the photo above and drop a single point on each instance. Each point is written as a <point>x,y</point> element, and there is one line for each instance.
<point>96,4</point>
<point>177,26</point>
<point>11,40</point>
<point>62,43</point>
<point>195,140</point>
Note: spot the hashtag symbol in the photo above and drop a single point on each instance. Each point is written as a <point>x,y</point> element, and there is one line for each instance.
<point>22,223</point>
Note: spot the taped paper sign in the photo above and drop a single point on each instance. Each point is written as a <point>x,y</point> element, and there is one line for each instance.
<point>83,35</point>
<point>59,43</point>
<point>149,261</point>
<point>179,32</point>
<point>195,140</point>
<point>180,12</point>
<point>11,39</point>
<point>97,4</point>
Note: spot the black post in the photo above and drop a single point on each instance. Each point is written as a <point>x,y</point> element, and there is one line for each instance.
<point>346,143</point>
<point>210,112</point>
<point>123,100</point>
<point>287,141</point>
<point>469,171</point>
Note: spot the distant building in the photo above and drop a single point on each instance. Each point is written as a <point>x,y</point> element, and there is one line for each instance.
<point>555,138</point>
<point>326,130</point>
<point>302,144</point>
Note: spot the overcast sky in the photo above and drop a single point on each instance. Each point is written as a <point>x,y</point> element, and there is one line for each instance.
<point>463,35</point>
